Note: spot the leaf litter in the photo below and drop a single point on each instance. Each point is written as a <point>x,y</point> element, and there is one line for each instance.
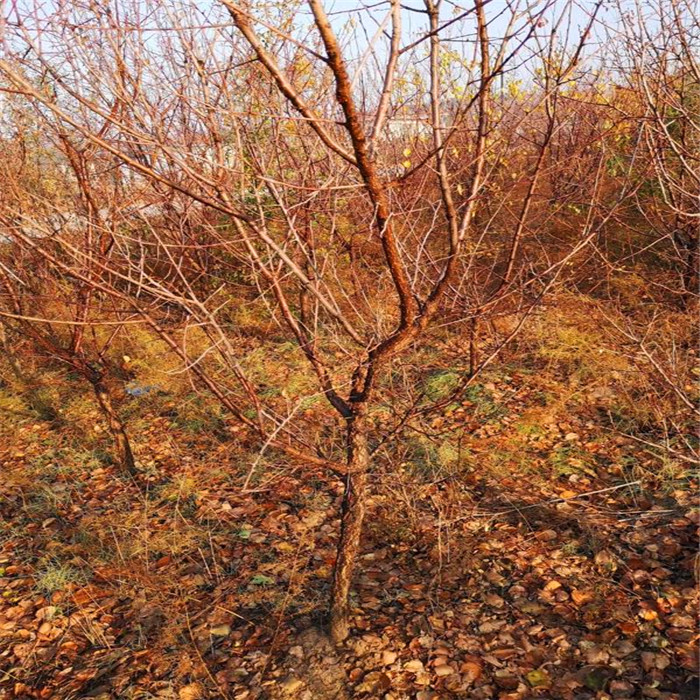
<point>491,585</point>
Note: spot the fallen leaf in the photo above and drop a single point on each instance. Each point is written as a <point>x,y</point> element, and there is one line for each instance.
<point>414,666</point>
<point>596,677</point>
<point>443,670</point>
<point>581,597</point>
<point>471,671</point>
<point>538,678</point>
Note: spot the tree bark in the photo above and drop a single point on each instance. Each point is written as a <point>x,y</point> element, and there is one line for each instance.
<point>353,513</point>
<point>116,428</point>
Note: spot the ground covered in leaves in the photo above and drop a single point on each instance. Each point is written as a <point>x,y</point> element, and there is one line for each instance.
<point>547,558</point>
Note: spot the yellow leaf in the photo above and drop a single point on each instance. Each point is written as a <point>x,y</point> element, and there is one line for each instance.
<point>407,152</point>
<point>406,164</point>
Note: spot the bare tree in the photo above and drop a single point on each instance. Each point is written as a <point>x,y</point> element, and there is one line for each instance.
<point>657,68</point>
<point>47,304</point>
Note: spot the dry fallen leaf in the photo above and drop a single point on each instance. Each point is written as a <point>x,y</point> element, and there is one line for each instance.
<point>471,671</point>
<point>581,597</point>
<point>414,666</point>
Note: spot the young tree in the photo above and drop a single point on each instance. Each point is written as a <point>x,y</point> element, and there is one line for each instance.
<point>50,202</point>
<point>656,61</point>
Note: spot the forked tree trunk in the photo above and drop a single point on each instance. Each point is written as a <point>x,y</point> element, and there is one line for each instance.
<point>116,428</point>
<point>353,513</point>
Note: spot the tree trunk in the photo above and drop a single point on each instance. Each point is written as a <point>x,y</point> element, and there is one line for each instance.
<point>691,265</point>
<point>116,427</point>
<point>353,513</point>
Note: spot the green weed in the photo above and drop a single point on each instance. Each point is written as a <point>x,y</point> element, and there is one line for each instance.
<point>440,384</point>
<point>56,577</point>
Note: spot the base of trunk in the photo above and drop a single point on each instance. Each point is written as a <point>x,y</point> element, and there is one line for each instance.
<point>116,428</point>
<point>353,514</point>
<point>339,628</point>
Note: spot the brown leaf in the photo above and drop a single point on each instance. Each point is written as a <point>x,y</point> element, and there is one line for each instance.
<point>581,597</point>
<point>471,670</point>
<point>414,666</point>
